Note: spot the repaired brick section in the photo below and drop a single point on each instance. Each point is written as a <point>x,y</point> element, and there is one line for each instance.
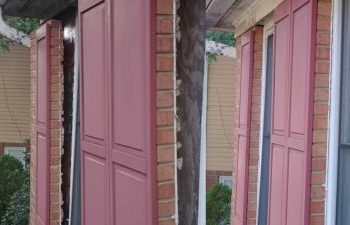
<point>166,173</point>
<point>320,114</point>
<point>56,132</point>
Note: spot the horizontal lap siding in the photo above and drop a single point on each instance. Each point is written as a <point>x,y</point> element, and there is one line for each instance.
<point>222,108</point>
<point>15,94</point>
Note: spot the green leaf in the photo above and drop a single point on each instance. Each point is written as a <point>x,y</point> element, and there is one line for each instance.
<point>23,24</point>
<point>219,205</point>
<point>223,37</point>
<point>12,178</point>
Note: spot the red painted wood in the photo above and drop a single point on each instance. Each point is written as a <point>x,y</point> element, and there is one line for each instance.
<point>241,195</point>
<point>292,113</point>
<point>43,125</point>
<point>118,112</point>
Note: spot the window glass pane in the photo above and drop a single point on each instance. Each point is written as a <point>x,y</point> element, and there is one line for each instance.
<point>226,180</point>
<point>17,152</point>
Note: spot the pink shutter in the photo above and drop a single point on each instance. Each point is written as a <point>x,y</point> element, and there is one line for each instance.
<point>243,131</point>
<point>292,113</point>
<point>43,125</point>
<point>117,112</point>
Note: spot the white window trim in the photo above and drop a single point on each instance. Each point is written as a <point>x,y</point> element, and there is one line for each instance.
<point>15,148</point>
<point>223,178</point>
<point>268,30</point>
<point>333,135</point>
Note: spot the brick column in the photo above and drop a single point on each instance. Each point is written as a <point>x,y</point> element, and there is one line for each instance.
<point>165,113</point>
<point>255,126</point>
<point>320,114</point>
<point>56,128</point>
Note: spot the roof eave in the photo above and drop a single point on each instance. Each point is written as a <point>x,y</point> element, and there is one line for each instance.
<point>42,9</point>
<point>244,14</point>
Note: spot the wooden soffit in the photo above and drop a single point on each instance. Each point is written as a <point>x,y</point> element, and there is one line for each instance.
<point>241,15</point>
<point>42,9</point>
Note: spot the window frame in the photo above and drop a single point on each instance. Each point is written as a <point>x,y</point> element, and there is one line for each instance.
<point>334,118</point>
<point>269,29</point>
<point>8,149</point>
<point>222,180</point>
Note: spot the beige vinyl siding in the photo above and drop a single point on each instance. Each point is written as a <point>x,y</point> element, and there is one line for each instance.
<point>14,94</point>
<point>221,113</point>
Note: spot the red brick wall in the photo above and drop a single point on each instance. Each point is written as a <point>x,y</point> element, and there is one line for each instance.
<point>212,177</point>
<point>165,114</point>
<point>56,138</point>
<point>320,117</point>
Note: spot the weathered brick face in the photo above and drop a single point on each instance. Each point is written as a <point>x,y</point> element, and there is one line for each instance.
<point>56,128</point>
<point>166,152</point>
<point>320,113</point>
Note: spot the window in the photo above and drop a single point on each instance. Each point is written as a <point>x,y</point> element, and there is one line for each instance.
<point>17,152</point>
<point>266,132</point>
<point>343,190</point>
<point>226,180</point>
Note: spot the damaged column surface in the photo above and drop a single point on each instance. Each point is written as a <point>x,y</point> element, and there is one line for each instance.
<point>190,74</point>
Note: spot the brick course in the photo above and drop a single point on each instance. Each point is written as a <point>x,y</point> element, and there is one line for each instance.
<point>320,115</point>
<point>165,113</point>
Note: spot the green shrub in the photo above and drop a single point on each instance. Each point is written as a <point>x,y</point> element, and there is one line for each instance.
<point>17,212</point>
<point>12,178</point>
<point>219,205</point>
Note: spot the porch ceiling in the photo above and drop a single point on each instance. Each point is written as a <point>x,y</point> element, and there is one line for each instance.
<point>42,9</point>
<point>216,11</point>
<point>238,15</point>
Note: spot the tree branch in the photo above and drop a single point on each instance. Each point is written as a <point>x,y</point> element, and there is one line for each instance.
<point>12,33</point>
<point>220,49</point>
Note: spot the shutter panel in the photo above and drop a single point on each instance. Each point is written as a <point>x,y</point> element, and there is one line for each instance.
<point>117,112</point>
<point>243,131</point>
<point>94,114</point>
<point>43,125</point>
<point>292,113</point>
<point>132,103</point>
